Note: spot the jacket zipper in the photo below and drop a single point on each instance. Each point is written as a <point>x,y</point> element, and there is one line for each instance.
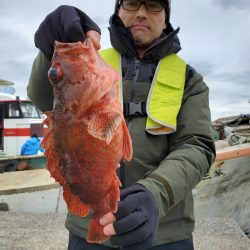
<point>135,77</point>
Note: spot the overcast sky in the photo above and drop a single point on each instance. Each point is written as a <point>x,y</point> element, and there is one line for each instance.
<point>214,35</point>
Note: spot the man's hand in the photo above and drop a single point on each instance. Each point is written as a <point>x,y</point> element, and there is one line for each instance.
<point>65,24</point>
<point>134,225</point>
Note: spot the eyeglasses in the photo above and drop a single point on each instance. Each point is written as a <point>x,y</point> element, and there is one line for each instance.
<point>151,5</point>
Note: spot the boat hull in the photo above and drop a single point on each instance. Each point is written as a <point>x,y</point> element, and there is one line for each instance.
<point>225,192</point>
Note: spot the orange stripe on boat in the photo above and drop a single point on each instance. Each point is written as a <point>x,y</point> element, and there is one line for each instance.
<point>17,132</point>
<point>233,152</point>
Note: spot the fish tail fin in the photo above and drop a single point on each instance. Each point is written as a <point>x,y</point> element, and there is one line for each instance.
<point>114,195</point>
<point>127,143</point>
<point>95,232</point>
<point>74,204</point>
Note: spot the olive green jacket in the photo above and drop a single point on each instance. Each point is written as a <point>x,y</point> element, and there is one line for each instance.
<point>170,166</point>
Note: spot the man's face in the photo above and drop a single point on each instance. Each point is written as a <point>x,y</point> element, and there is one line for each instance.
<point>146,26</point>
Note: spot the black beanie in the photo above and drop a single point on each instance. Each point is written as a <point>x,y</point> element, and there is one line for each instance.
<point>168,3</point>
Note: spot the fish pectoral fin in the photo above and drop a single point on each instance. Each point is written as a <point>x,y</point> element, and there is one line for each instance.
<point>103,125</point>
<point>127,143</point>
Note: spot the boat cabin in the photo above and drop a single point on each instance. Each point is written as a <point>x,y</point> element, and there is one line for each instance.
<point>19,119</point>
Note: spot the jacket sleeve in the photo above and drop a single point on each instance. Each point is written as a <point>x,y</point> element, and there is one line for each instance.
<point>39,88</point>
<point>191,150</point>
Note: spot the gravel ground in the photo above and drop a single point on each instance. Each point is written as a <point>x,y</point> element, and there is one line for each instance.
<point>26,231</point>
<point>219,234</point>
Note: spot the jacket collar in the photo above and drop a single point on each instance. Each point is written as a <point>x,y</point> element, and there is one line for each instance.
<point>122,40</point>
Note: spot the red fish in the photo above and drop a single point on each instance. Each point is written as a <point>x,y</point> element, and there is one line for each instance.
<point>87,135</point>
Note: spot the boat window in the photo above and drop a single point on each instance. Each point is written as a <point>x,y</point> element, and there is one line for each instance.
<point>13,110</point>
<point>29,110</point>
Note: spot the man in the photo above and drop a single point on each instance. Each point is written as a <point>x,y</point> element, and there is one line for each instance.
<point>167,113</point>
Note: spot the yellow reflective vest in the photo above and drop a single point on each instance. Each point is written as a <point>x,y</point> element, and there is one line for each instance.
<point>166,91</point>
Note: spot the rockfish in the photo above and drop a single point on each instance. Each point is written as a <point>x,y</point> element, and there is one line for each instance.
<point>87,135</point>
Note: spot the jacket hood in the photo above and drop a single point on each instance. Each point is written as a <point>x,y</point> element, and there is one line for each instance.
<point>122,40</point>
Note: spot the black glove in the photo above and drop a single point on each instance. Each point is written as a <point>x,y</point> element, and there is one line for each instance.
<point>65,24</point>
<point>136,219</point>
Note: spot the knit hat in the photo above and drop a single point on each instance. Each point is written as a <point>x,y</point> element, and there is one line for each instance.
<point>168,8</point>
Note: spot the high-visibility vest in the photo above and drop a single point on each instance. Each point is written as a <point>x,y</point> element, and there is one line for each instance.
<point>165,94</point>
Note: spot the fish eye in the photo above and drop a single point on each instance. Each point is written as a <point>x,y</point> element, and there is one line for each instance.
<point>55,73</point>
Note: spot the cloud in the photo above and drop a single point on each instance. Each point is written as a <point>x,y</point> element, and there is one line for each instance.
<point>229,93</point>
<point>237,4</point>
<point>203,67</point>
<point>18,22</point>
<point>17,53</point>
<point>229,87</point>
<point>241,79</point>
<point>213,36</point>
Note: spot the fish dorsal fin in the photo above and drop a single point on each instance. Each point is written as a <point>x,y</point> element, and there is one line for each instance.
<point>103,125</point>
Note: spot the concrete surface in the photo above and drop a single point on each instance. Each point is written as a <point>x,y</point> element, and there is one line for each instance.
<point>219,234</point>
<point>35,190</point>
<point>18,189</point>
<point>26,181</point>
<point>44,201</point>
<point>32,231</point>
<point>26,231</point>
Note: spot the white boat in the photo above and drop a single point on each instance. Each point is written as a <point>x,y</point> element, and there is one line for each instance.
<point>19,119</point>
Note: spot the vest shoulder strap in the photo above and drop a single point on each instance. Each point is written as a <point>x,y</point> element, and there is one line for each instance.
<point>112,57</point>
<point>172,71</point>
<point>165,95</point>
